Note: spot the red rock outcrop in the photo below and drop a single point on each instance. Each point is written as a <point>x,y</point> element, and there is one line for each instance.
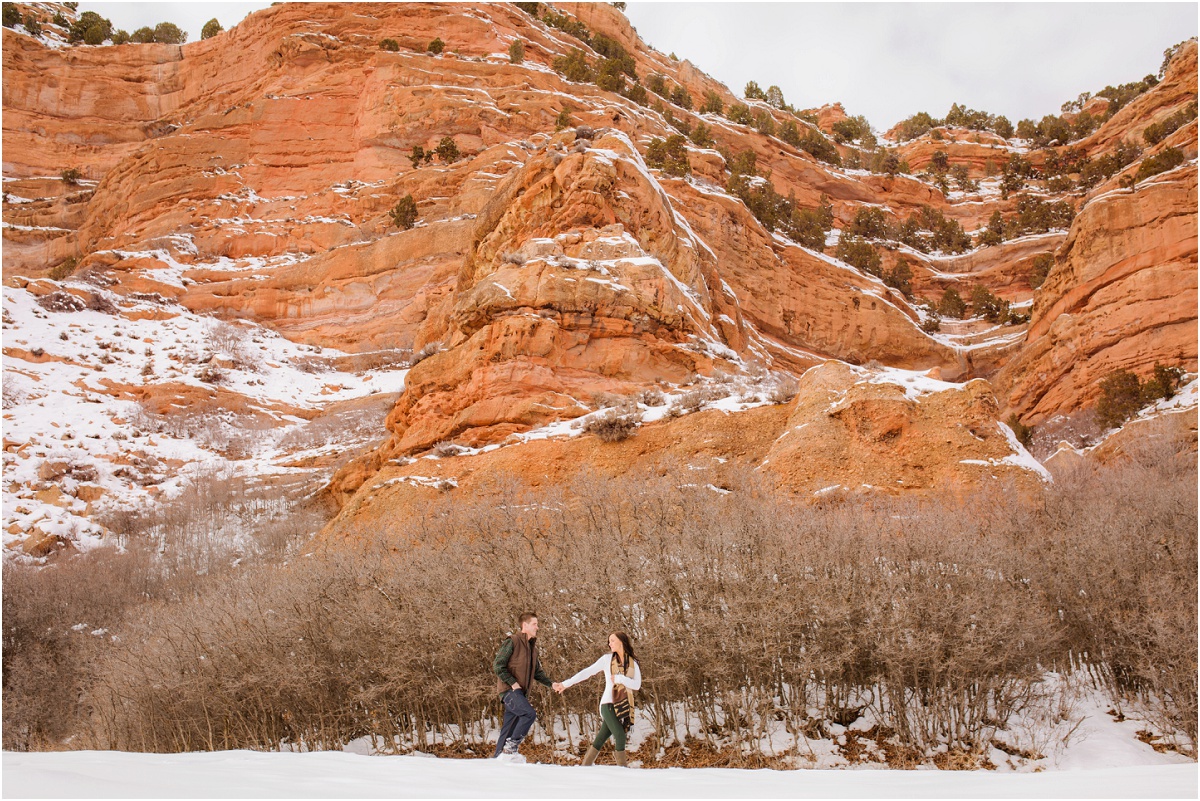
<point>848,431</point>
<point>251,175</point>
<point>1121,296</point>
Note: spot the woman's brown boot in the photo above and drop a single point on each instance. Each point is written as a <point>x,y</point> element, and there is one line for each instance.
<point>622,760</point>
<point>590,757</point>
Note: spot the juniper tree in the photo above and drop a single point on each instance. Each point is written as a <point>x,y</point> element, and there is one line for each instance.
<point>404,213</point>
<point>447,150</point>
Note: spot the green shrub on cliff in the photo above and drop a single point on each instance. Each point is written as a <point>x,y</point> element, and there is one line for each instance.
<point>567,25</point>
<point>1167,159</point>
<point>701,135</point>
<point>988,306</point>
<point>821,148</point>
<point>952,305</point>
<point>1159,131</point>
<point>870,222</point>
<point>753,91</point>
<point>436,46</point>
<point>681,98</point>
<point>575,67</point>
<point>213,27</point>
<point>859,253</point>
<point>900,277</point>
<point>669,155</point>
<point>404,213</point>
<point>739,114</point>
<point>447,150</point>
<point>1042,263</point>
<point>169,33</point>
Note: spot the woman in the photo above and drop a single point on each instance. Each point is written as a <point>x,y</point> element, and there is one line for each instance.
<point>621,677</point>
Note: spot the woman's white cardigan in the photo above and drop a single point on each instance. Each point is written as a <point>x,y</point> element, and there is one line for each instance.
<point>601,665</point>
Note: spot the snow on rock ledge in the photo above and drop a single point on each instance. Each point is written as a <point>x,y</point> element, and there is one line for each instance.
<point>893,430</point>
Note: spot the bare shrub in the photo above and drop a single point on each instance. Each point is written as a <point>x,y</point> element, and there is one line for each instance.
<point>424,353</point>
<point>101,302</point>
<point>340,426</point>
<point>606,400</point>
<point>231,341</point>
<point>313,364</point>
<point>210,374</point>
<point>616,424</point>
<point>1118,553</point>
<point>936,614</point>
<point>60,301</point>
<point>693,400</point>
<point>513,258</point>
<point>62,621</point>
<point>446,449</point>
<point>1078,429</point>
<point>783,390</point>
<point>208,423</point>
<point>56,620</point>
<point>652,397</point>
<point>377,359</point>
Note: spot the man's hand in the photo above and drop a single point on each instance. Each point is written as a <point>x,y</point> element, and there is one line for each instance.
<point>516,686</point>
<point>558,687</point>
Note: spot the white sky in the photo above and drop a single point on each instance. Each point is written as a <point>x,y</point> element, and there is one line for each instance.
<point>883,60</point>
<point>888,61</point>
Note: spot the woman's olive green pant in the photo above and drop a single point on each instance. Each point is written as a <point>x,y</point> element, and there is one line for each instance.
<point>610,728</point>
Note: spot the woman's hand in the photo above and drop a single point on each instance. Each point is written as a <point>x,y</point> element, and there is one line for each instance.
<point>558,687</point>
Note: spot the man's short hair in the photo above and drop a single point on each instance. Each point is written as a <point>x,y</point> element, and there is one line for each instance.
<point>525,617</point>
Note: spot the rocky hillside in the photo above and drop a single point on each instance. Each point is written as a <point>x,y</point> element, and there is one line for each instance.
<point>288,221</point>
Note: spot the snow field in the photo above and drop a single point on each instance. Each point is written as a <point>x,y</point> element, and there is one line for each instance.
<point>59,408</point>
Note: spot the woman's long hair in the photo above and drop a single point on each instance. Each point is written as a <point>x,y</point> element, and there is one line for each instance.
<point>627,645</point>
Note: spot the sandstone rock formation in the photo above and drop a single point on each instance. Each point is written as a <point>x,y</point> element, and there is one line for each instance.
<point>848,431</point>
<point>1121,296</point>
<point>551,268</point>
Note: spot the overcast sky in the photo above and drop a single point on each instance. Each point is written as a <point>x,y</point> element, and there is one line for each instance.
<point>883,60</point>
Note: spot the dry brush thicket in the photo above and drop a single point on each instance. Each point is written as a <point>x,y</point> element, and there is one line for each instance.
<point>753,614</point>
<point>62,620</point>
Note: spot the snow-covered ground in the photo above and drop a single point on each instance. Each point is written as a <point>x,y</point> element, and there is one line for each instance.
<point>331,774</point>
<point>76,443</point>
<point>1088,753</point>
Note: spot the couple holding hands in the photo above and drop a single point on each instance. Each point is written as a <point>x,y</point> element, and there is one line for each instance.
<point>517,667</point>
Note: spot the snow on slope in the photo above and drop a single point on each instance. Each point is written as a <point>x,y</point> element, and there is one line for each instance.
<point>73,438</point>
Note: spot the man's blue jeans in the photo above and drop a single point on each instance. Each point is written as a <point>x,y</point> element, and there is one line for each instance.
<point>518,719</point>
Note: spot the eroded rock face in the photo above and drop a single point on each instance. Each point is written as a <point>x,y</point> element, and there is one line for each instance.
<point>1121,296</point>
<point>1156,439</point>
<point>1176,90</point>
<point>630,295</point>
<point>848,431</point>
<point>851,430</point>
<point>251,176</point>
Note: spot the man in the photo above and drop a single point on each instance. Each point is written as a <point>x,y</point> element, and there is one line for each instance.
<point>516,667</point>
